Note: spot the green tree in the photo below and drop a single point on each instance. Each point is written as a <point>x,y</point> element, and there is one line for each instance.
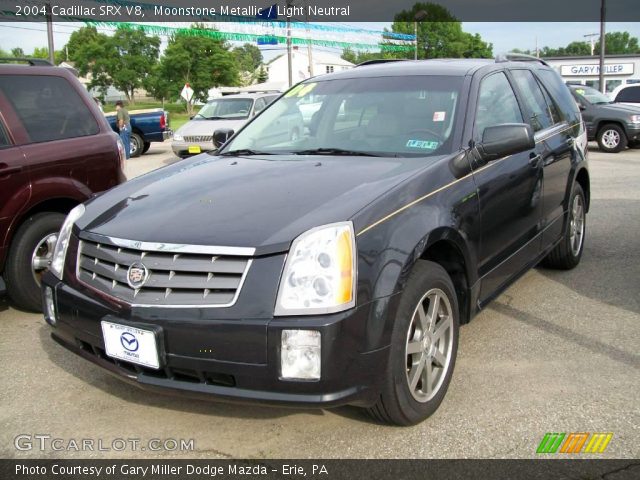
<point>17,52</point>
<point>199,60</point>
<point>262,76</point>
<point>132,56</point>
<point>440,34</point>
<point>90,51</point>
<point>248,58</point>
<point>617,43</point>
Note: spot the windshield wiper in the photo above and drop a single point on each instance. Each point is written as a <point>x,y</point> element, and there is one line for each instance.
<point>244,152</point>
<point>335,151</point>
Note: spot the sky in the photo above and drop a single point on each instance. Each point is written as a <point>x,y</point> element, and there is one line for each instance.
<point>504,36</point>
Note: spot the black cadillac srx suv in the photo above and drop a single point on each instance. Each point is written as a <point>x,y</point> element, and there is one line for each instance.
<point>334,268</point>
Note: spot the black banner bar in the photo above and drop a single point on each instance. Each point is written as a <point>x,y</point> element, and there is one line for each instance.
<point>313,10</point>
<point>119,469</point>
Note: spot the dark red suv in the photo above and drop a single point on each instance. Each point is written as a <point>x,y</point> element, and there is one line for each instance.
<point>56,151</point>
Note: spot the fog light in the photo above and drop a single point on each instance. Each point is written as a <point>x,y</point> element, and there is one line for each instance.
<point>300,355</point>
<point>49,306</point>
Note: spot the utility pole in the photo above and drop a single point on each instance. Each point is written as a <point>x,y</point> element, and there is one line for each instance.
<point>289,44</point>
<point>50,34</point>
<point>602,36</point>
<point>309,49</point>
<point>592,41</point>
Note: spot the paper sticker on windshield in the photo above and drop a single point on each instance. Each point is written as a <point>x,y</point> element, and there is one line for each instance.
<point>439,116</point>
<point>425,144</point>
<point>580,91</point>
<point>306,89</point>
<point>294,91</point>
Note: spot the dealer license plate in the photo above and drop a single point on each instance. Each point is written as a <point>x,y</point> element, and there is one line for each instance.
<point>194,149</point>
<point>130,344</point>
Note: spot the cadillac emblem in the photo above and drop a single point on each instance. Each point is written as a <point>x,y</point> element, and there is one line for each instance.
<point>137,275</point>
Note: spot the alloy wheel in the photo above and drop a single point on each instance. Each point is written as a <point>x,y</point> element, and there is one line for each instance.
<point>43,255</point>
<point>576,225</point>
<point>429,345</point>
<point>611,139</point>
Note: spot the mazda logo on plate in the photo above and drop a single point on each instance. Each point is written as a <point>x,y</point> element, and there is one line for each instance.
<point>129,341</point>
<point>137,275</point>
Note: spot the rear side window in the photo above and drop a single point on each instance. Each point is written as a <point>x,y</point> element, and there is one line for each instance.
<point>561,95</point>
<point>497,104</point>
<point>629,94</point>
<point>540,115</point>
<point>4,137</point>
<point>259,105</point>
<point>49,107</point>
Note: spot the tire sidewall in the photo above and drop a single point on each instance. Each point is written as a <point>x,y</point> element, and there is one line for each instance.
<point>22,287</point>
<point>623,139</point>
<point>137,141</point>
<point>575,259</point>
<point>426,276</point>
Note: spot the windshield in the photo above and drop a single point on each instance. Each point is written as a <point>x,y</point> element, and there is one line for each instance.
<point>225,108</point>
<point>382,116</point>
<point>591,95</point>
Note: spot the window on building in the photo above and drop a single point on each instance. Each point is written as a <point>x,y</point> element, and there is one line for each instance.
<point>329,68</point>
<point>610,85</point>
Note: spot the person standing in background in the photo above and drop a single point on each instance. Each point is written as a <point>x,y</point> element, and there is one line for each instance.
<point>124,127</point>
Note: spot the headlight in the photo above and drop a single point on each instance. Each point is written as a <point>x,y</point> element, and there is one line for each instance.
<point>320,274</point>
<point>178,137</point>
<point>635,118</point>
<point>60,251</point>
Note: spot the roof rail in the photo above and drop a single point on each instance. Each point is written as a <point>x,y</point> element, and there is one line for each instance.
<point>518,57</point>
<point>379,60</point>
<point>34,62</point>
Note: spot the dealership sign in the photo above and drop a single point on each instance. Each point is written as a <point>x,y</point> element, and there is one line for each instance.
<point>587,69</point>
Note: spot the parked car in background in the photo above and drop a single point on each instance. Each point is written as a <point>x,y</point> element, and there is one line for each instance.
<point>612,125</point>
<point>334,268</point>
<point>628,94</point>
<point>231,111</point>
<point>146,126</point>
<point>56,151</point>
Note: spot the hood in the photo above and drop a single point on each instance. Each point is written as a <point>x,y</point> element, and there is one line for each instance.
<point>207,127</point>
<point>619,108</point>
<point>261,202</point>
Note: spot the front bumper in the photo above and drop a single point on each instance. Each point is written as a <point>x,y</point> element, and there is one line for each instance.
<point>633,131</point>
<point>250,374</point>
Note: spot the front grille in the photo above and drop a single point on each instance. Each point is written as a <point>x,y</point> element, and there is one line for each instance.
<point>174,279</point>
<point>198,138</point>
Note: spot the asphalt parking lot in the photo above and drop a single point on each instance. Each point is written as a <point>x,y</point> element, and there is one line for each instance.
<point>557,352</point>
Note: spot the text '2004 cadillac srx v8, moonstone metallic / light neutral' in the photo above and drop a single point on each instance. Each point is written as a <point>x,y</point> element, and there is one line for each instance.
<point>336,267</point>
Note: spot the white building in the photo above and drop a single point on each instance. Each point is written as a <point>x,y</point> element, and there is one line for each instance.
<point>619,70</point>
<point>323,63</point>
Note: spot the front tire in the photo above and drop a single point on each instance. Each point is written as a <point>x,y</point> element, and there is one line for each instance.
<point>612,138</point>
<point>29,257</point>
<point>424,345</point>
<point>567,254</point>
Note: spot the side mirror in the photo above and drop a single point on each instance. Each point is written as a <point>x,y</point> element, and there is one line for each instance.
<point>221,136</point>
<point>191,117</point>
<point>506,139</point>
<point>581,107</point>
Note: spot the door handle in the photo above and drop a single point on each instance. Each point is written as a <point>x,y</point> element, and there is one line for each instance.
<point>8,170</point>
<point>534,159</point>
<point>570,141</point>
